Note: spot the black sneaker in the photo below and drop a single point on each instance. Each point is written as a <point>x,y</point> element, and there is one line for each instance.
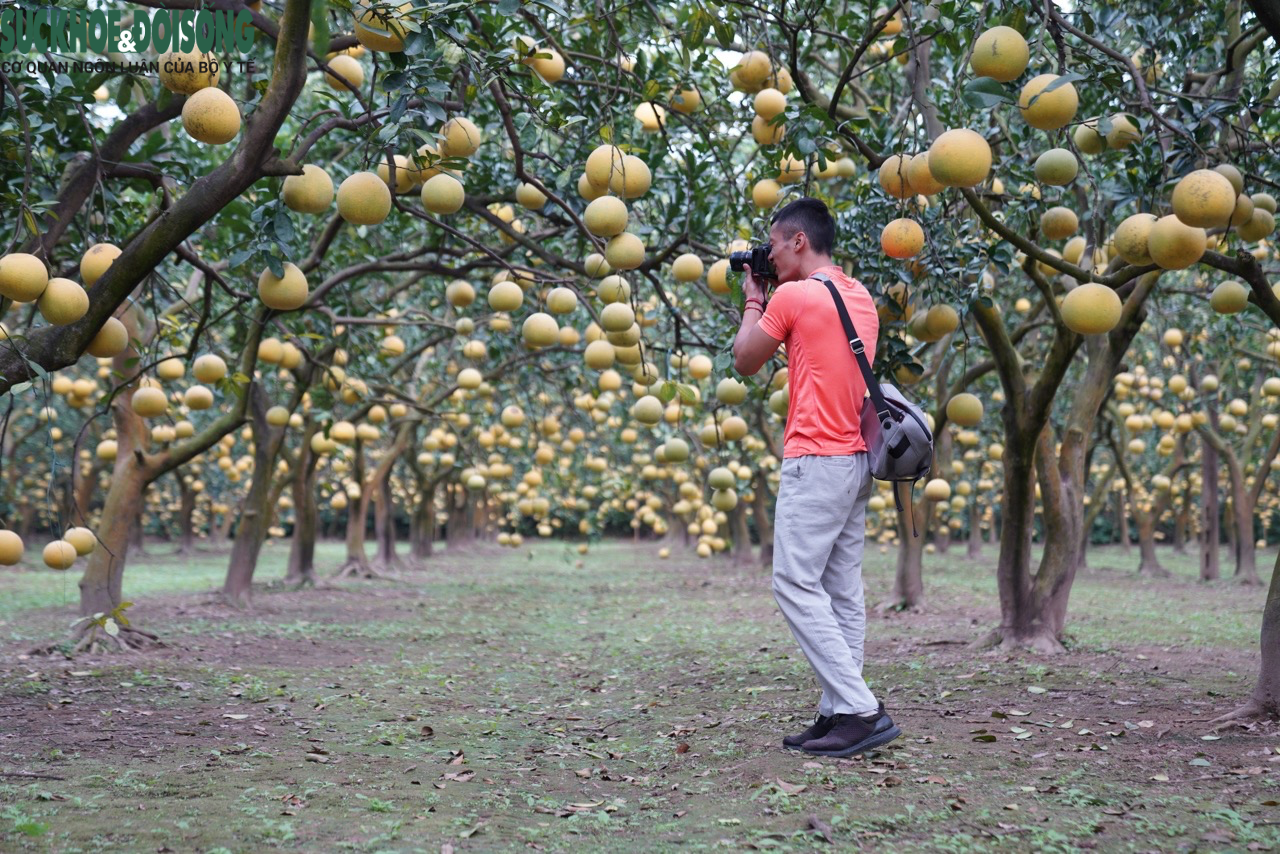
<point>852,734</point>
<point>821,726</point>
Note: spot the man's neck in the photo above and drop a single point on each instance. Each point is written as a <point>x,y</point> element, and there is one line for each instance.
<point>818,263</point>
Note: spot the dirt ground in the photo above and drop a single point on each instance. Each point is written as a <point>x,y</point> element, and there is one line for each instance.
<point>505,700</point>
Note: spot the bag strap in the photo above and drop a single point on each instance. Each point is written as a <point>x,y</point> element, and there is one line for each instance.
<point>859,351</point>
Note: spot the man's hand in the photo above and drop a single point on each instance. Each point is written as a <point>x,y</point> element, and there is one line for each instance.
<point>751,289</point>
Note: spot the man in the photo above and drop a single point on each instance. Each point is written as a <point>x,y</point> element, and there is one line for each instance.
<point>819,523</point>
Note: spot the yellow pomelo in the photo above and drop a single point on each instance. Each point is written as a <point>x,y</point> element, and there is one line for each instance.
<point>1053,108</point>
<point>687,268</point>
<point>1232,174</point>
<point>211,116</point>
<point>390,347</point>
<point>82,540</point>
<point>459,137</point>
<point>1058,222</point>
<point>1261,224</point>
<point>96,261</point>
<point>754,68</point>
<point>613,288</point>
<point>505,296</point>
<point>59,555</point>
<point>1074,250</point>
<point>1204,199</point>
<point>1123,133</point>
<point>765,133</point>
<point>550,67</point>
<point>941,320</point>
<point>920,176</point>
<point>651,117</point>
<point>561,300</point>
<point>606,217</point>
<point>343,70</point>
<point>277,416</point>
<point>11,548</point>
<point>790,170</point>
<point>937,489</point>
<point>1244,210</point>
<point>63,302</point>
<point>406,173</point>
<point>633,180</point>
<point>540,330</point>
<point>1000,53</point>
<point>286,293</point>
<point>23,277</point>
<point>1173,338</point>
<point>960,158</point>
<point>443,194</point>
<point>311,192</point>
<point>1087,138</point>
<point>270,350</point>
<point>1091,309</point>
<point>766,193</point>
<point>1057,167</point>
<point>173,369</point>
<point>599,355</point>
<point>589,191</point>
<point>769,103</point>
<point>718,277</point>
<point>625,251</point>
<point>1173,244</point>
<point>647,410</point>
<point>379,28</point>
<point>198,397</point>
<point>111,340</point>
<point>965,410</point>
<point>686,101</point>
<point>902,238</point>
<point>460,293</point>
<point>1130,240</point>
<point>617,317</point>
<point>188,73</point>
<point>529,196</point>
<point>149,402</point>
<point>1266,201</point>
<point>730,391</point>
<point>364,199</point>
<point>209,368</point>
<point>601,164</point>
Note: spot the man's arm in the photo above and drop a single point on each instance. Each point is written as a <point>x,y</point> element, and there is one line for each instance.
<point>753,346</point>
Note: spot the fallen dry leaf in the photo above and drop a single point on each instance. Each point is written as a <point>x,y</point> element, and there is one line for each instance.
<point>791,788</point>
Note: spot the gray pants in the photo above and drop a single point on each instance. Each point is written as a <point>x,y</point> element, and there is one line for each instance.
<point>819,528</point>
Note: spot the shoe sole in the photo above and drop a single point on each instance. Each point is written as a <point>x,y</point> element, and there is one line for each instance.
<point>869,743</point>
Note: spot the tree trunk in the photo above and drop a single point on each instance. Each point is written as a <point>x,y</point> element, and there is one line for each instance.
<point>908,578</point>
<point>257,511</point>
<point>186,517</point>
<point>741,536</point>
<point>1265,699</point>
<point>421,540</point>
<point>760,515</point>
<point>302,549</point>
<point>974,549</point>
<point>1211,533</point>
<point>1150,563</point>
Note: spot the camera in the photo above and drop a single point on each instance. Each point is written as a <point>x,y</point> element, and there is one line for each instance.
<point>757,259</point>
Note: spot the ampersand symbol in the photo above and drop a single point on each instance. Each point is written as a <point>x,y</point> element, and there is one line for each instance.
<point>126,42</point>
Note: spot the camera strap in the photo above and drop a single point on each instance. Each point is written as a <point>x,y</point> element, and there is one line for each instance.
<point>859,352</point>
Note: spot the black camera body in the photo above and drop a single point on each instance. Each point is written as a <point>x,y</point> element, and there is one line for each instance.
<point>755,259</point>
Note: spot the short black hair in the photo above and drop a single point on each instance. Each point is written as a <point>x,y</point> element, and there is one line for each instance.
<point>811,216</point>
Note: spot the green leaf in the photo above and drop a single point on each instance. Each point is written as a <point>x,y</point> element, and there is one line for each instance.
<point>320,20</point>
<point>687,393</point>
<point>985,92</point>
<point>667,391</point>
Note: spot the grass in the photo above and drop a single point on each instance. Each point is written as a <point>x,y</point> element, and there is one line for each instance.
<point>497,701</point>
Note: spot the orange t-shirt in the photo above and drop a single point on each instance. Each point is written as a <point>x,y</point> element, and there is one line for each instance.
<point>826,387</point>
